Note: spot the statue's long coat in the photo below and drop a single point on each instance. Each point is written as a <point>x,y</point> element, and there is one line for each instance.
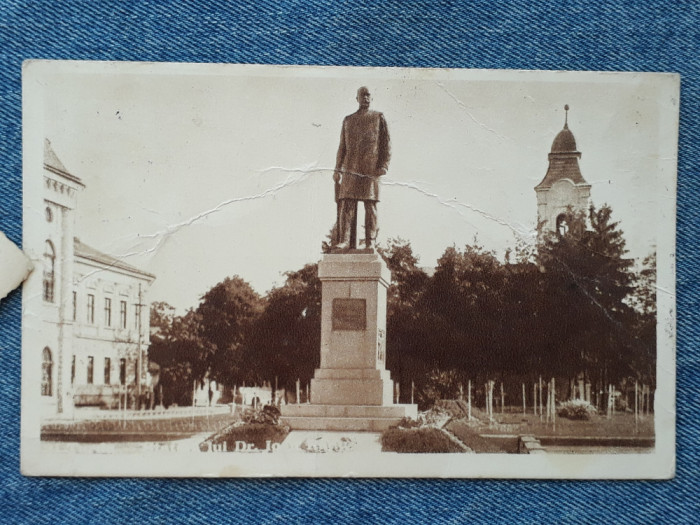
<point>363,153</point>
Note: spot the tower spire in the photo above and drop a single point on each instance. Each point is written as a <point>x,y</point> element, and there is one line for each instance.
<point>566,116</point>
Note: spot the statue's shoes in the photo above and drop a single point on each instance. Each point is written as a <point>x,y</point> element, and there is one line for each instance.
<point>342,246</point>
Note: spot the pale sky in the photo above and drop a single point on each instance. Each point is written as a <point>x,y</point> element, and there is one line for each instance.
<point>195,173</point>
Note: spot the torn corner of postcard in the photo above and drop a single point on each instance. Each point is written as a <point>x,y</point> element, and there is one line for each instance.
<point>197,313</point>
<point>15,265</point>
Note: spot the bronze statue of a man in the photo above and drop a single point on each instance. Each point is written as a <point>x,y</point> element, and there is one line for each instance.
<point>363,157</point>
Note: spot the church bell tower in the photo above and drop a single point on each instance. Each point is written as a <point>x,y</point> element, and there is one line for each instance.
<point>563,187</point>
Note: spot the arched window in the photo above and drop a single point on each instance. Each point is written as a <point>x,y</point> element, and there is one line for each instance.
<point>49,276</point>
<point>562,224</point>
<point>46,370</point>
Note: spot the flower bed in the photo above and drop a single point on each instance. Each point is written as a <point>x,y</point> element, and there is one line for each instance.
<point>418,440</point>
<point>157,429</point>
<point>255,430</point>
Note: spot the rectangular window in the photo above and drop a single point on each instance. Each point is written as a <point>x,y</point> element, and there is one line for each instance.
<point>91,309</point>
<point>122,371</point>
<point>122,314</point>
<point>136,372</point>
<point>75,305</point>
<point>108,311</point>
<point>90,369</point>
<point>72,371</point>
<point>108,370</point>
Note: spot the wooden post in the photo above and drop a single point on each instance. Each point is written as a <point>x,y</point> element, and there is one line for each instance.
<point>636,407</point>
<point>298,391</point>
<point>503,398</point>
<point>540,382</point>
<point>646,400</point>
<point>461,392</point>
<point>648,405</point>
<point>489,397</point>
<point>469,400</point>
<point>554,405</point>
<point>534,398</point>
<point>649,399</point>
<point>124,406</point>
<point>413,387</point>
<point>572,387</point>
<point>524,401</point>
<point>396,391</point>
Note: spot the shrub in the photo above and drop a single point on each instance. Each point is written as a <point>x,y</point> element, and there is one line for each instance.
<point>440,384</point>
<point>576,409</point>
<point>407,422</point>
<point>420,440</point>
<point>434,417</point>
<point>621,404</point>
<point>268,415</point>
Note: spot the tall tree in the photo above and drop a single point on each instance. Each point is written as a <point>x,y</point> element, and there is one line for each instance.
<point>407,332</point>
<point>227,312</point>
<point>286,338</point>
<point>644,302</point>
<point>177,348</point>
<point>587,283</point>
<point>464,301</point>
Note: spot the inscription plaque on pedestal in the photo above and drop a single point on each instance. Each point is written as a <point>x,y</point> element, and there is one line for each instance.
<point>349,314</point>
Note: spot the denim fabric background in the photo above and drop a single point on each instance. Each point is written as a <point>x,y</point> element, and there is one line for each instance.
<point>575,35</point>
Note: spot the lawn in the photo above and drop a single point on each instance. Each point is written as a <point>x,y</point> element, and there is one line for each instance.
<point>468,435</point>
<point>620,425</point>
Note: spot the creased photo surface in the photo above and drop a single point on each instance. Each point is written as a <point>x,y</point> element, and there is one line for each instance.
<point>370,272</point>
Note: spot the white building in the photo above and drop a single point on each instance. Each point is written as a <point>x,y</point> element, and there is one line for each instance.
<point>94,314</point>
<point>563,187</point>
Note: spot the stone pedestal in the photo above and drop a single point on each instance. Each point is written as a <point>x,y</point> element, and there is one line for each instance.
<point>352,389</point>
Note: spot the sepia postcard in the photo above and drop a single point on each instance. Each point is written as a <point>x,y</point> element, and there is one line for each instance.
<point>245,270</point>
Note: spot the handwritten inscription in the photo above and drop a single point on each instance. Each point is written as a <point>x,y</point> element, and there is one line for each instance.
<point>349,314</point>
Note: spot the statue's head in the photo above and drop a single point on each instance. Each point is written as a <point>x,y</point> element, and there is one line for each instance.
<point>363,97</point>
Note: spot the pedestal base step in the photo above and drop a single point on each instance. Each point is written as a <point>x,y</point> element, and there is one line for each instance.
<point>345,417</point>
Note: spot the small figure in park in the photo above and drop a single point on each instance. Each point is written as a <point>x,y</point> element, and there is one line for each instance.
<point>363,157</point>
